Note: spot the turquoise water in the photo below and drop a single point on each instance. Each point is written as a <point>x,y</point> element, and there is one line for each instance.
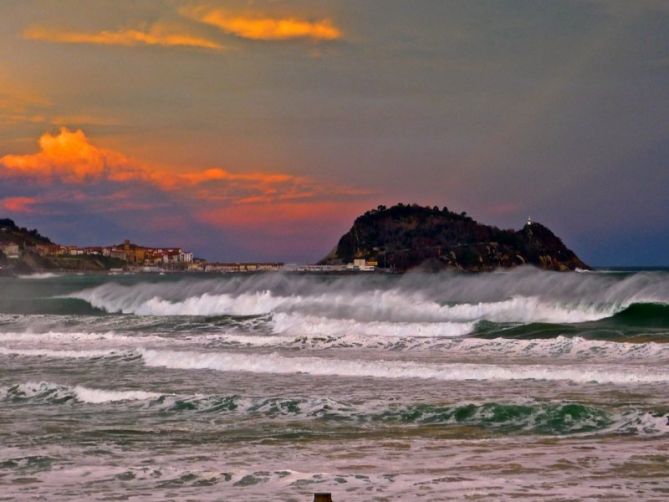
<point>373,387</point>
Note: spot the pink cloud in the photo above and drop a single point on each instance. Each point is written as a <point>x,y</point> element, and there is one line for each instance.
<point>19,204</point>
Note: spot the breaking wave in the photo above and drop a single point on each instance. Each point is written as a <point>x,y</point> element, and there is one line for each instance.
<point>45,392</point>
<point>277,364</point>
<point>441,339</point>
<point>520,296</point>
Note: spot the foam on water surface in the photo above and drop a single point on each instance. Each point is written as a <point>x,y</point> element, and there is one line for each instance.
<point>56,393</point>
<point>505,385</point>
<point>279,364</point>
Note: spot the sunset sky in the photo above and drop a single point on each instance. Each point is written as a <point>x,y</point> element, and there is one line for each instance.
<point>258,130</point>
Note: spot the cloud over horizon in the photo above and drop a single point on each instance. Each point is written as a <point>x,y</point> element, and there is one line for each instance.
<point>70,176</point>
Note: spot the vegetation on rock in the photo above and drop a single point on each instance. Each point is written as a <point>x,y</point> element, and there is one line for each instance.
<point>407,236</point>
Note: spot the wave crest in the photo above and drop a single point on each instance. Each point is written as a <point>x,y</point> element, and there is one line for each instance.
<point>520,296</point>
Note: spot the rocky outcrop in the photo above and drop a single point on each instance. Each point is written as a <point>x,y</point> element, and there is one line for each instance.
<point>403,237</point>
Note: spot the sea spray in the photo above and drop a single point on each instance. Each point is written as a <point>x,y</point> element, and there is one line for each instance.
<point>521,296</point>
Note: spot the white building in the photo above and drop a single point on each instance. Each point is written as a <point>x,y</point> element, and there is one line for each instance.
<point>11,251</point>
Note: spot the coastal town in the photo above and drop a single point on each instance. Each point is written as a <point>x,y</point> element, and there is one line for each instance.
<point>21,248</point>
<point>135,258</point>
<point>128,252</point>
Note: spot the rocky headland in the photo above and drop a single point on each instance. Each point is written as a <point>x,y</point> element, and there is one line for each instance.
<point>404,237</point>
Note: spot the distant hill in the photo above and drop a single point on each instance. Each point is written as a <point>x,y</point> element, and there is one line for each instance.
<point>25,243</point>
<point>403,237</point>
<point>11,233</point>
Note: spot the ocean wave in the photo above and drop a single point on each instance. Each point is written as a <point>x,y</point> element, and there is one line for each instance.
<point>79,337</point>
<point>537,418</point>
<point>443,340</point>
<point>523,295</point>
<point>569,348</point>
<point>278,364</point>
<point>39,276</point>
<point>544,418</point>
<point>376,306</point>
<point>644,314</point>
<point>66,354</point>
<point>46,392</point>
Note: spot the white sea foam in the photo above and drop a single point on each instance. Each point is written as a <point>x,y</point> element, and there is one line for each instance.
<point>560,347</point>
<point>296,324</point>
<point>277,364</point>
<point>321,334</point>
<point>95,396</point>
<point>642,423</point>
<point>62,354</point>
<point>447,344</point>
<point>39,276</point>
<point>65,337</point>
<point>60,393</point>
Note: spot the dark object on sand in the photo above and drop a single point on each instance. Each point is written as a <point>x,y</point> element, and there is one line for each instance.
<point>322,497</point>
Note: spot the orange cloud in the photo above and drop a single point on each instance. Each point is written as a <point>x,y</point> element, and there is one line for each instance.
<point>70,157</point>
<point>157,35</point>
<point>255,27</point>
<point>18,204</point>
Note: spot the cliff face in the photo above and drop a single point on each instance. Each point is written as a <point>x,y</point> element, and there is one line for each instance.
<point>407,236</point>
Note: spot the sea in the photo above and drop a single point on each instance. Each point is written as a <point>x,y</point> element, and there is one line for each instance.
<point>521,384</point>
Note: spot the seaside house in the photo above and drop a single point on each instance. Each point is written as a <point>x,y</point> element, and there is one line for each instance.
<point>11,251</point>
